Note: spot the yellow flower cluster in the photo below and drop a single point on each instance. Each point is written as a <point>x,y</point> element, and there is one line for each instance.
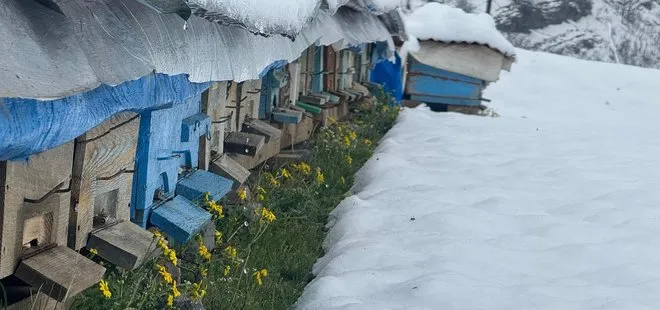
<point>227,270</point>
<point>342,180</point>
<point>352,135</point>
<point>259,275</point>
<point>303,167</point>
<point>285,173</point>
<point>267,215</point>
<point>93,251</point>
<point>320,179</point>
<point>213,207</point>
<point>204,252</point>
<point>349,159</point>
<point>218,237</point>
<point>167,277</point>
<point>170,300</point>
<point>197,292</point>
<point>105,289</point>
<point>175,290</point>
<point>367,142</point>
<point>347,141</point>
<point>231,252</point>
<point>242,194</point>
<point>168,253</point>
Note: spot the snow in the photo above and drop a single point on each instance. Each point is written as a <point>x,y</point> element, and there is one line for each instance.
<point>288,16</point>
<point>439,22</point>
<point>552,205</point>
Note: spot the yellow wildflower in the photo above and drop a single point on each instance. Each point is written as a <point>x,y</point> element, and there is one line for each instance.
<point>349,159</point>
<point>285,173</point>
<point>320,179</point>
<point>204,272</point>
<point>347,141</point>
<point>367,142</point>
<point>170,300</point>
<point>261,197</point>
<point>342,180</point>
<point>218,236</point>
<point>105,289</point>
<point>242,194</point>
<point>167,277</point>
<point>197,292</point>
<point>170,254</point>
<point>353,135</point>
<point>157,234</point>
<point>93,251</point>
<point>303,167</point>
<point>261,190</point>
<point>175,290</point>
<point>231,252</point>
<point>267,215</point>
<point>204,252</point>
<point>227,270</point>
<point>215,209</point>
<point>259,275</point>
<point>272,180</point>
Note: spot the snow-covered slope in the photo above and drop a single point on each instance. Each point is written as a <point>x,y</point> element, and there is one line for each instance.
<point>604,30</point>
<point>553,205</point>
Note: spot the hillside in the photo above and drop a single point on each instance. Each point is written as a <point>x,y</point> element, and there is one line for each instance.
<point>586,29</point>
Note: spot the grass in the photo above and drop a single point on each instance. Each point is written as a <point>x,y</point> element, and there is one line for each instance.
<point>259,263</point>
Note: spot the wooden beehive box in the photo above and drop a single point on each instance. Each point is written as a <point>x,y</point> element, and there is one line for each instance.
<point>34,204</point>
<point>103,175</point>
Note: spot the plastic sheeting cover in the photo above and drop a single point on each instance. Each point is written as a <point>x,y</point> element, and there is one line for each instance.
<point>29,126</point>
<point>52,56</point>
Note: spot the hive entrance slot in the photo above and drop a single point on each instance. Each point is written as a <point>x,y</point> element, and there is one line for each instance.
<point>38,231</point>
<point>105,207</point>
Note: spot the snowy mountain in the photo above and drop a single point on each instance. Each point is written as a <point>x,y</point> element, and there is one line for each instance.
<point>624,31</point>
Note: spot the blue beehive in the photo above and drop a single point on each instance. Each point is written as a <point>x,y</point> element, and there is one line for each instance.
<point>167,182</point>
<point>433,85</point>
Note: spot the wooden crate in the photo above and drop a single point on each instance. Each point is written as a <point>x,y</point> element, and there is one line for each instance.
<point>34,204</point>
<point>102,176</point>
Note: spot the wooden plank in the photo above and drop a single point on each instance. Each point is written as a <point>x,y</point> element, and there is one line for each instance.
<point>60,272</point>
<point>262,128</point>
<point>180,219</point>
<point>230,169</point>
<point>334,99</point>
<point>29,226</point>
<point>123,244</point>
<point>329,66</point>
<point>35,300</point>
<point>269,150</point>
<point>312,99</point>
<point>99,188</point>
<point>287,116</point>
<point>309,108</point>
<point>214,102</point>
<point>243,143</point>
<point>194,185</point>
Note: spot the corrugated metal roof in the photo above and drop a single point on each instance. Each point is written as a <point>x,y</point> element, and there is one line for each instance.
<point>55,53</point>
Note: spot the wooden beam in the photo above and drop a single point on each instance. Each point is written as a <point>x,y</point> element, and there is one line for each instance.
<point>269,150</point>
<point>34,204</point>
<point>123,244</point>
<point>194,185</point>
<point>180,219</point>
<point>60,272</point>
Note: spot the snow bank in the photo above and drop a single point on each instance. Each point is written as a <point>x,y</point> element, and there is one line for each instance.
<point>439,22</point>
<point>553,205</point>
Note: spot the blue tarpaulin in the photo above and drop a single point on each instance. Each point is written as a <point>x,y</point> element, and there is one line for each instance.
<point>390,75</point>
<point>29,126</point>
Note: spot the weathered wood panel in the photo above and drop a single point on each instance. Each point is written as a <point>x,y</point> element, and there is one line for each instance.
<point>102,176</point>
<point>293,134</point>
<point>34,204</point>
<point>243,143</point>
<point>229,168</point>
<point>123,244</point>
<point>214,102</point>
<point>262,128</point>
<point>60,272</point>
<point>329,66</point>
